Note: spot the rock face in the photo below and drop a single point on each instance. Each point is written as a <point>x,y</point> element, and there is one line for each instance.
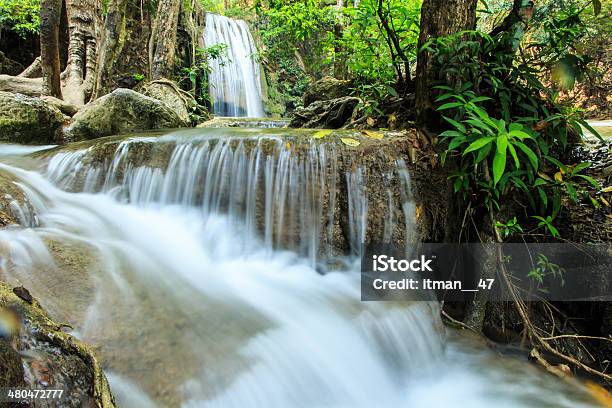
<point>28,120</point>
<point>54,359</point>
<point>122,111</point>
<point>326,89</point>
<point>330,114</point>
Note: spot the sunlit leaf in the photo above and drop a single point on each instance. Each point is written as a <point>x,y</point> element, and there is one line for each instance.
<point>321,134</point>
<point>372,134</point>
<point>349,141</point>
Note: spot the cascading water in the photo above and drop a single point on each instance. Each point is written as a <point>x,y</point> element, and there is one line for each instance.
<point>234,81</point>
<point>189,262</point>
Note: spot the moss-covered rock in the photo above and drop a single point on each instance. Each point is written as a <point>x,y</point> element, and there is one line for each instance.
<point>172,96</point>
<point>51,357</point>
<point>122,111</point>
<point>28,120</point>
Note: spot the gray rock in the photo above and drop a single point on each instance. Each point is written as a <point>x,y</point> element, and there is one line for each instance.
<point>332,114</point>
<point>171,96</point>
<point>9,66</point>
<point>28,120</point>
<point>325,89</point>
<point>122,111</point>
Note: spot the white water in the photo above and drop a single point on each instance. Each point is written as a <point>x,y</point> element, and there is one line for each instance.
<point>235,82</point>
<point>188,310</point>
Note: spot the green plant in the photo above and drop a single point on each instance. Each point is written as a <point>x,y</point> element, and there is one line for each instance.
<point>197,75</point>
<point>20,16</point>
<point>544,268</point>
<point>138,77</point>
<point>509,228</point>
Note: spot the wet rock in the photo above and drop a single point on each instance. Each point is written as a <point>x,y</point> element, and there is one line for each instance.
<point>28,120</point>
<point>330,114</point>
<point>26,86</point>
<point>11,366</point>
<point>45,356</point>
<point>223,122</point>
<point>122,111</point>
<point>14,206</point>
<point>326,89</point>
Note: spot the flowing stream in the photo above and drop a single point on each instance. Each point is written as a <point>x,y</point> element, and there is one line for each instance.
<point>235,77</point>
<point>169,254</point>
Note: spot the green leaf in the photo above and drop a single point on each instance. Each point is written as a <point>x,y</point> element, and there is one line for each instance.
<point>519,134</point>
<point>499,165</point>
<point>529,153</point>
<point>517,163</point>
<point>502,143</point>
<point>478,144</point>
<point>591,180</point>
<point>580,166</point>
<point>456,124</point>
<point>450,105</point>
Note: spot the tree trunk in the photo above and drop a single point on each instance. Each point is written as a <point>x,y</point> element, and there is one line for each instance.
<point>439,18</point>
<point>339,60</point>
<point>50,15</point>
<point>162,44</point>
<point>111,43</point>
<point>80,70</point>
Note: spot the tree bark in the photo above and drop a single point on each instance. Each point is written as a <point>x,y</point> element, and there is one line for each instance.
<point>81,67</point>
<point>439,18</point>
<point>50,16</point>
<point>111,43</point>
<point>162,44</point>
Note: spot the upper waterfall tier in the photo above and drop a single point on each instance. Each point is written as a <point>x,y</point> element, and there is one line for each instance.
<point>235,80</point>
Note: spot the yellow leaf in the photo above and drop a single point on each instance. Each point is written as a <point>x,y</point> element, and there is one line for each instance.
<point>607,190</point>
<point>370,121</point>
<point>349,142</point>
<point>321,134</point>
<point>603,200</point>
<point>544,176</point>
<point>372,135</point>
<point>600,394</point>
<point>288,145</point>
<point>558,176</point>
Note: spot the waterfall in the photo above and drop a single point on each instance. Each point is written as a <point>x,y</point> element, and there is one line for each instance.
<point>191,262</point>
<point>235,81</point>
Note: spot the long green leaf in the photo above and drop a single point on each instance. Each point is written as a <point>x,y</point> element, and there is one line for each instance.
<point>499,165</point>
<point>478,144</point>
<point>529,153</point>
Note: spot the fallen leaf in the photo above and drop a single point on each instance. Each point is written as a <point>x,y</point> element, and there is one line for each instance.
<point>607,190</point>
<point>370,121</point>
<point>600,394</point>
<point>321,134</point>
<point>603,200</point>
<point>349,142</point>
<point>288,145</point>
<point>372,134</point>
<point>544,176</point>
<point>558,176</point>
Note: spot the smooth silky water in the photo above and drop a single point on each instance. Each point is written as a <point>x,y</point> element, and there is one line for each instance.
<point>179,273</point>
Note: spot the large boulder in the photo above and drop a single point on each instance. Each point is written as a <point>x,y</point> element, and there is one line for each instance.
<point>172,96</point>
<point>331,114</point>
<point>122,111</point>
<point>325,89</point>
<point>28,120</point>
